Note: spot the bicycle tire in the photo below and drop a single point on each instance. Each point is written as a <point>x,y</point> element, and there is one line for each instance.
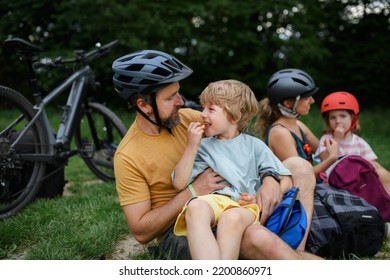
<point>110,131</point>
<point>20,180</point>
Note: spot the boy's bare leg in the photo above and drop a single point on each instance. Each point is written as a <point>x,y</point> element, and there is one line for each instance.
<point>231,226</point>
<point>201,240</point>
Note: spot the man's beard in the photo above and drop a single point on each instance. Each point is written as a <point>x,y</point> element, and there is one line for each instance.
<point>171,121</point>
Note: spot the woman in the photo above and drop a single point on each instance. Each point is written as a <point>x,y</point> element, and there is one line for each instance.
<point>290,95</point>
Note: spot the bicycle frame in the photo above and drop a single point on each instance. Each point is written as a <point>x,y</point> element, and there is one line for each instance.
<point>33,154</point>
<point>78,82</point>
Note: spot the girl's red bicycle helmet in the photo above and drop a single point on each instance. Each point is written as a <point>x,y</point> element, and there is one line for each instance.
<point>341,100</point>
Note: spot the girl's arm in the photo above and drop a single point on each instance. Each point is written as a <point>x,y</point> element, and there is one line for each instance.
<point>328,157</point>
<point>183,169</point>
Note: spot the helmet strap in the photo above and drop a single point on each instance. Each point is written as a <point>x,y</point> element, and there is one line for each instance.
<point>155,112</point>
<point>290,113</point>
<point>354,123</point>
<point>145,115</point>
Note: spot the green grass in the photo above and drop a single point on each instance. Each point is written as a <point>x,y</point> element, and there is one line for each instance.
<point>85,225</point>
<point>89,223</point>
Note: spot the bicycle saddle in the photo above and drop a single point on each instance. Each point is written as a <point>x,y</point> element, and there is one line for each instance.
<point>22,47</point>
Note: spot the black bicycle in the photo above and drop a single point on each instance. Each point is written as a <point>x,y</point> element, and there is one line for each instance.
<point>28,143</point>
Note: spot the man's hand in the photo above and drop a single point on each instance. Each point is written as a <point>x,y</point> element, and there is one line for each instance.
<point>207,182</point>
<point>268,197</point>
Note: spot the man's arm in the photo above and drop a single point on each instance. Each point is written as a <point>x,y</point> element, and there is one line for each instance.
<point>146,223</point>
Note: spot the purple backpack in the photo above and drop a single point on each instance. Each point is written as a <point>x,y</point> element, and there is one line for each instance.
<point>358,176</point>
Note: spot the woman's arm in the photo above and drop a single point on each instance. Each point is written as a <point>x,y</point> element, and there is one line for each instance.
<point>311,138</point>
<point>327,157</point>
<point>282,143</point>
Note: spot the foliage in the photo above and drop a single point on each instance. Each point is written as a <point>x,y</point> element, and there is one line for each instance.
<point>341,43</point>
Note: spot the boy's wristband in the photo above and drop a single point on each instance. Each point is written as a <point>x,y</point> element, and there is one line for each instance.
<point>193,192</point>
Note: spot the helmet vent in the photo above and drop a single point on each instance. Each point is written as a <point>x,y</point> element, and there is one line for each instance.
<point>150,56</point>
<point>147,82</point>
<point>134,67</point>
<point>300,81</point>
<point>272,83</point>
<point>124,79</point>
<point>160,71</point>
<point>172,65</point>
<point>307,77</point>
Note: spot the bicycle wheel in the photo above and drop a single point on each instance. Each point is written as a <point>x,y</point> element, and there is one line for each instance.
<point>100,131</point>
<point>20,179</point>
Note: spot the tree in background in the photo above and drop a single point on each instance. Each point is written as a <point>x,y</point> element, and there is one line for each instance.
<point>342,44</point>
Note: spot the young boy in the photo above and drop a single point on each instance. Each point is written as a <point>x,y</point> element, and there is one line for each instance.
<point>243,160</point>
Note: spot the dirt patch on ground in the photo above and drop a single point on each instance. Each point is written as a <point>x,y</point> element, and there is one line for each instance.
<point>127,248</point>
<point>67,192</point>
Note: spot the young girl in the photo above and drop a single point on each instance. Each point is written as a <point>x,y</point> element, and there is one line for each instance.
<point>243,160</point>
<point>340,111</point>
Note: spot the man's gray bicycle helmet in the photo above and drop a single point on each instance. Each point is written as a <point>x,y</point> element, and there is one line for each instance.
<point>145,71</point>
<point>289,83</point>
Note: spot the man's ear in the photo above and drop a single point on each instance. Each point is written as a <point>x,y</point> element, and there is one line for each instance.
<point>144,107</point>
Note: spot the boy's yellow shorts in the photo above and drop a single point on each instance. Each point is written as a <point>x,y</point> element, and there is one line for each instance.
<point>219,203</point>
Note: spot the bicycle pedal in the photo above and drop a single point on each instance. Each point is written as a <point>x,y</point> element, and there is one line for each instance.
<point>87,150</point>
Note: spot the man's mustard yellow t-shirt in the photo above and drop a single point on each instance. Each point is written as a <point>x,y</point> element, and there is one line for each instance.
<point>143,163</point>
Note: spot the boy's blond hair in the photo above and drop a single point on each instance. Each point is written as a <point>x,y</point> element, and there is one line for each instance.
<point>235,97</point>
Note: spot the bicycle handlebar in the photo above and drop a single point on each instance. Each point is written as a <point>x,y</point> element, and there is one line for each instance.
<point>81,56</point>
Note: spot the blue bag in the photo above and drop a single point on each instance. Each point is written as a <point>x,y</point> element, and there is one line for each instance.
<point>289,220</point>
